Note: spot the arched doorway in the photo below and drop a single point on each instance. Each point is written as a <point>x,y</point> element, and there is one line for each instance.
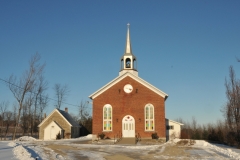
<point>128,126</point>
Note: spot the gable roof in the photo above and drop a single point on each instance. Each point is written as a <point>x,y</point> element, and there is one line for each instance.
<point>65,115</point>
<point>69,118</point>
<point>120,77</point>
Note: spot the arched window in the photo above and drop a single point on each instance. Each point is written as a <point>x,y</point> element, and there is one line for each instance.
<point>149,117</point>
<point>107,117</point>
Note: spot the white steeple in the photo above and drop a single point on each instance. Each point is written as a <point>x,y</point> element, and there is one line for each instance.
<point>128,42</point>
<point>128,60</point>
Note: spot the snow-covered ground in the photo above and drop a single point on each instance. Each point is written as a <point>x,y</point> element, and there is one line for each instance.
<point>23,150</point>
<point>6,151</point>
<point>231,152</point>
<point>28,148</point>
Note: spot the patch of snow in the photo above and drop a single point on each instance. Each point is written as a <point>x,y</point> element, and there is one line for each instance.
<point>170,157</point>
<point>26,138</point>
<point>226,151</point>
<point>92,155</point>
<point>21,153</point>
<point>176,140</point>
<point>89,136</point>
<point>39,150</point>
<point>200,143</point>
<point>83,138</point>
<point>44,151</point>
<point>162,149</point>
<point>12,144</point>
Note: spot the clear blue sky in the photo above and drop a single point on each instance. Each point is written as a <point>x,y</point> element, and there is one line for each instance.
<point>184,48</point>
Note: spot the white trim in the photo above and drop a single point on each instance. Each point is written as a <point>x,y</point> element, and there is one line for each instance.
<point>108,120</point>
<point>151,106</point>
<point>120,77</point>
<point>128,126</point>
<point>55,110</point>
<point>174,121</point>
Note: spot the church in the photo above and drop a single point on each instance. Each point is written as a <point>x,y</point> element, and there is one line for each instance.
<point>128,105</point>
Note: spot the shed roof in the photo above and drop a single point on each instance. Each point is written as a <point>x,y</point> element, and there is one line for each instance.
<point>169,120</point>
<point>65,115</point>
<point>69,118</point>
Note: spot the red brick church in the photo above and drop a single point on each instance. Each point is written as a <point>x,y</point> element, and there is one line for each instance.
<point>128,104</point>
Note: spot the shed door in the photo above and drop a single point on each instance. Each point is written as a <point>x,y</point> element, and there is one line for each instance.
<point>52,133</point>
<point>128,126</point>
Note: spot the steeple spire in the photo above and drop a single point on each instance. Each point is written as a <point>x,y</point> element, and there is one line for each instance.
<point>128,42</point>
<point>128,60</point>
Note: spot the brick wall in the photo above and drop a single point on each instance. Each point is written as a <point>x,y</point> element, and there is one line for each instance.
<point>129,104</point>
<point>57,118</point>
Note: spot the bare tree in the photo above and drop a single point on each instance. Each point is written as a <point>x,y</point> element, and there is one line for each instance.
<point>38,100</point>
<point>83,112</point>
<point>232,108</point>
<point>3,109</point>
<point>9,116</point>
<point>61,94</point>
<point>85,118</point>
<point>43,101</point>
<point>194,124</point>
<point>75,117</point>
<point>20,87</point>
<point>14,115</point>
<point>25,116</point>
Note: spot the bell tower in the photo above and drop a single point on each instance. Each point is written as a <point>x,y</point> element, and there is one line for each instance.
<point>128,60</point>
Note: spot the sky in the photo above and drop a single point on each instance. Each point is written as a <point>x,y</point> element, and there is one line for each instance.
<point>184,48</point>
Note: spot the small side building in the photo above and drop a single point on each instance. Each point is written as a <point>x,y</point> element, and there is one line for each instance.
<point>58,121</point>
<point>173,129</point>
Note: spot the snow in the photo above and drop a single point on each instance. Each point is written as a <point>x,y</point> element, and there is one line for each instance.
<point>26,138</point>
<point>23,149</point>
<point>6,151</point>
<point>11,144</point>
<point>222,149</point>
<point>226,150</point>
<point>89,136</point>
<point>21,153</point>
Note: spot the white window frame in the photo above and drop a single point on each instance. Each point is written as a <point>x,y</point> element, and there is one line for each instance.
<point>149,119</point>
<point>108,106</point>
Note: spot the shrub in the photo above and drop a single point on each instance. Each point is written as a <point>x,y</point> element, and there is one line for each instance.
<point>58,136</point>
<point>102,135</point>
<point>213,136</point>
<point>155,136</point>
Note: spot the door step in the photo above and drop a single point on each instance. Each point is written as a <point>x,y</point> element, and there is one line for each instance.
<point>127,140</point>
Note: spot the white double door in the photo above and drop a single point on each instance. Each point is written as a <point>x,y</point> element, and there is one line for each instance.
<point>128,126</point>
